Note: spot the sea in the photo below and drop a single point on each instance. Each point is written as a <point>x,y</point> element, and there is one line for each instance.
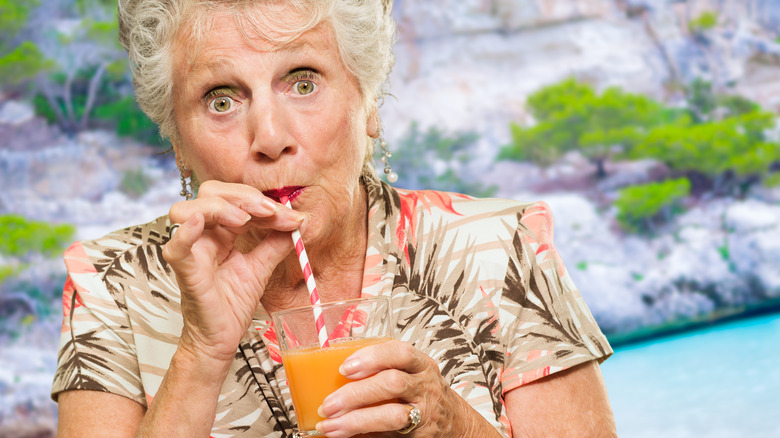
<point>722,381</point>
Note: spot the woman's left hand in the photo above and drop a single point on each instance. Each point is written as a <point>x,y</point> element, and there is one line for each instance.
<point>387,377</point>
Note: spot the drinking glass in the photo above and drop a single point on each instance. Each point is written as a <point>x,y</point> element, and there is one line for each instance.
<point>313,369</point>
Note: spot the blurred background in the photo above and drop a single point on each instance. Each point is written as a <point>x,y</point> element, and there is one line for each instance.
<point>649,126</point>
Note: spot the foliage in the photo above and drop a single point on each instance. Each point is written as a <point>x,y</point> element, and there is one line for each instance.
<point>84,6</point>
<point>726,151</point>
<point>22,63</point>
<point>27,294</point>
<point>87,55</point>
<point>135,183</point>
<point>6,271</point>
<point>130,121</point>
<point>773,180</point>
<point>705,105</point>
<point>29,297</point>
<point>434,160</point>
<point>13,17</point>
<point>704,22</point>
<point>639,207</point>
<point>553,107</point>
<point>718,140</point>
<point>21,237</point>
<point>571,115</point>
<point>20,60</point>
<point>43,108</point>
<point>735,105</point>
<point>701,99</point>
<point>63,58</point>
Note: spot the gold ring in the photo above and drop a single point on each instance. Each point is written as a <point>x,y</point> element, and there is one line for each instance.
<point>415,416</point>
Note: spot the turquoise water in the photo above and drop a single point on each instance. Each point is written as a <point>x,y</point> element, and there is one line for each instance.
<point>719,382</point>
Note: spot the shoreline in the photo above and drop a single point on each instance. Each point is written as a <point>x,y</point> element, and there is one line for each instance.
<point>723,316</point>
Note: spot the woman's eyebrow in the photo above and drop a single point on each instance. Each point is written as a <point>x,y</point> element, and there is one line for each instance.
<point>217,65</point>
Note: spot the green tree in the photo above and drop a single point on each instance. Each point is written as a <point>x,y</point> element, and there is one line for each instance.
<point>732,153</point>
<point>22,64</point>
<point>84,55</point>
<point>718,140</point>
<point>618,121</point>
<point>642,207</point>
<point>20,60</point>
<point>704,104</point>
<point>68,61</point>
<point>23,237</point>
<point>13,17</point>
<point>434,160</point>
<point>701,100</point>
<point>571,115</point>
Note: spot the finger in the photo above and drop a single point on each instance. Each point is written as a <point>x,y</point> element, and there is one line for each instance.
<point>247,198</point>
<point>387,355</point>
<point>178,250</point>
<point>385,386</point>
<point>283,221</point>
<point>383,418</point>
<point>265,257</point>
<point>215,211</point>
<point>235,211</point>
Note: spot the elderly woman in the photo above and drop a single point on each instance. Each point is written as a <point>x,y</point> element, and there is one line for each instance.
<point>169,334</point>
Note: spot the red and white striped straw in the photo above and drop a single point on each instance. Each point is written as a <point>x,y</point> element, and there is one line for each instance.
<point>314,297</point>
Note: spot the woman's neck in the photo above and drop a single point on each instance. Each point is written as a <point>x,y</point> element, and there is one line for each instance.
<point>337,264</point>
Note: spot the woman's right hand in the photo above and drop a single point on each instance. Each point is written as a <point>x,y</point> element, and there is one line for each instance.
<point>221,285</point>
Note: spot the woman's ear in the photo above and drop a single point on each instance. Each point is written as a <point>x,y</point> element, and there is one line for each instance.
<point>180,162</point>
<point>372,123</point>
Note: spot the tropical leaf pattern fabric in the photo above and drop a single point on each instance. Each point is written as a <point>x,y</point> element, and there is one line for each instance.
<point>475,283</point>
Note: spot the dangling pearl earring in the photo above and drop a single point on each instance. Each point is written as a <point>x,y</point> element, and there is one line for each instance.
<point>391,176</point>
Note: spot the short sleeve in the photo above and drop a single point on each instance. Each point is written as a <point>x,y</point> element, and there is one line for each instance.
<point>548,327</point>
<point>97,350</point>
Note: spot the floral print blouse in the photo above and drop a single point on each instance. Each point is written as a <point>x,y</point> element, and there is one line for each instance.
<point>474,283</point>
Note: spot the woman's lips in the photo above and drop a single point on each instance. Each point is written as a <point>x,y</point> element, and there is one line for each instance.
<point>291,192</point>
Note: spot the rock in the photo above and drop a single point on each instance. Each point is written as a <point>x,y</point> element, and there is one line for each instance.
<point>753,244</point>
<point>604,288</point>
<point>79,181</point>
<point>514,180</point>
<point>14,112</point>
<point>26,410</point>
<point>697,266</point>
<point>750,215</point>
<point>628,173</point>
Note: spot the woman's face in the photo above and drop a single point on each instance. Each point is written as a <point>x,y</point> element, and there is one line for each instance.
<point>287,120</point>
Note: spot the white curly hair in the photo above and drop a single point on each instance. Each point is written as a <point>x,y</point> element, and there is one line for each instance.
<point>148,29</point>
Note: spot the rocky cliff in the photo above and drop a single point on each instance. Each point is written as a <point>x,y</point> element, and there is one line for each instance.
<point>468,64</point>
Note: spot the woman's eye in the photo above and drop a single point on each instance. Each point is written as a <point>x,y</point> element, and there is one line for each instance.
<point>303,87</point>
<point>221,104</point>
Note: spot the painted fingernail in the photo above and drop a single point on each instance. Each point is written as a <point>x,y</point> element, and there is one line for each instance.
<point>320,412</point>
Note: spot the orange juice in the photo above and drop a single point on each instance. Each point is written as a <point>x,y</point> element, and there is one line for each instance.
<point>313,373</point>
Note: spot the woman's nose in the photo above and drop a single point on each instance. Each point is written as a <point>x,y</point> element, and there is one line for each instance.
<point>271,137</point>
